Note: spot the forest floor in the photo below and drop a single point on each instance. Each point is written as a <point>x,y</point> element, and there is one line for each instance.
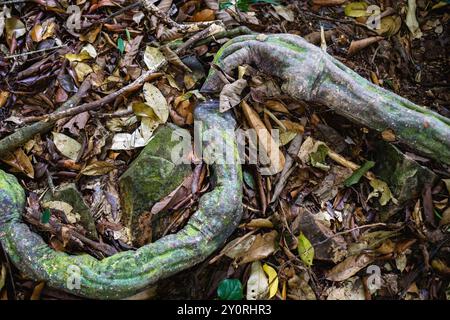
<point>365,238</point>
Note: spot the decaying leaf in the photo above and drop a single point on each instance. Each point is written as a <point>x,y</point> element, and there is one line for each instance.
<point>411,19</point>
<point>71,216</point>
<point>352,289</point>
<point>98,168</point>
<point>257,284</point>
<point>230,96</point>
<point>349,267</point>
<point>356,9</point>
<point>155,99</point>
<point>153,57</point>
<point>20,162</point>
<point>68,147</point>
<point>381,190</point>
<point>248,249</point>
<point>314,152</point>
<point>266,141</point>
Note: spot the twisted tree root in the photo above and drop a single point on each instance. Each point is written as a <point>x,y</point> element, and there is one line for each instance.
<point>310,74</point>
<point>127,273</point>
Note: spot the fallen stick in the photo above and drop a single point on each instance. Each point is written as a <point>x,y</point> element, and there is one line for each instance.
<point>24,134</point>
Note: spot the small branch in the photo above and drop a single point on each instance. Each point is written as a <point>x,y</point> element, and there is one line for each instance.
<point>165,19</point>
<point>24,134</point>
<point>33,52</point>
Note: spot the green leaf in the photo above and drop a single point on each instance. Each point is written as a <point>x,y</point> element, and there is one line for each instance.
<point>357,175</point>
<point>249,180</point>
<point>318,158</point>
<point>128,34</point>
<point>230,289</point>
<point>305,250</point>
<point>243,5</point>
<point>45,218</point>
<point>121,45</point>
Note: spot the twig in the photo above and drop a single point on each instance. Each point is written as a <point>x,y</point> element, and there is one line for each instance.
<point>165,19</point>
<point>36,51</point>
<point>350,230</point>
<point>24,134</point>
<point>136,84</point>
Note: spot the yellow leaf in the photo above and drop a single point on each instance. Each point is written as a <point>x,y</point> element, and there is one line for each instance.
<point>155,99</point>
<point>305,250</point>
<point>82,70</point>
<point>66,145</point>
<point>153,57</point>
<point>273,280</point>
<point>356,10</point>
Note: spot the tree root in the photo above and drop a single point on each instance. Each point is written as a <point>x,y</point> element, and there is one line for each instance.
<point>128,273</point>
<point>310,74</point>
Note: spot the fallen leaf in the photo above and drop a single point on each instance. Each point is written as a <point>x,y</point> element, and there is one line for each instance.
<point>262,247</point>
<point>349,267</point>
<point>273,280</point>
<point>357,175</point>
<point>356,10</point>
<point>67,146</point>
<point>153,57</point>
<point>204,15</point>
<point>155,99</point>
<point>257,284</point>
<point>266,141</point>
<point>66,208</point>
<point>82,70</point>
<point>380,186</point>
<point>14,27</point>
<point>389,26</point>
<point>411,20</point>
<point>353,289</point>
<point>285,12</point>
<point>314,152</point>
<point>20,162</point>
<point>36,295</point>
<point>305,250</point>
<point>230,289</point>
<point>230,96</point>
<point>98,168</point>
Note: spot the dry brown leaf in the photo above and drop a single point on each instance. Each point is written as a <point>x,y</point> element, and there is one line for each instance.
<point>204,15</point>
<point>349,267</point>
<point>358,45</point>
<point>261,248</point>
<point>20,162</point>
<point>98,168</point>
<point>230,96</point>
<point>266,141</point>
